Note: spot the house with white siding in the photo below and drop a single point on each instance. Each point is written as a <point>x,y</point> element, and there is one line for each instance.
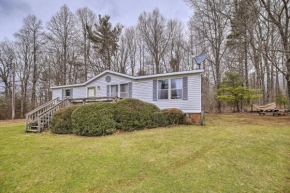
<point>181,90</point>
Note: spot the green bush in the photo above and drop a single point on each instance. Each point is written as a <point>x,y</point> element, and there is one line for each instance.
<point>94,119</point>
<point>175,116</point>
<point>134,114</point>
<point>61,121</point>
<point>160,119</point>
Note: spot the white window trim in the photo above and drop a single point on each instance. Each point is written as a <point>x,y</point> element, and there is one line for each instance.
<point>163,89</point>
<point>65,92</point>
<point>119,89</point>
<point>169,89</point>
<point>177,88</point>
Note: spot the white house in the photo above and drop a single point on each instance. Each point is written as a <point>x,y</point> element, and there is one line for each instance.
<point>180,90</point>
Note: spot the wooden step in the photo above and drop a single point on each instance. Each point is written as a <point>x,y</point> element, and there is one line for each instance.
<point>31,131</point>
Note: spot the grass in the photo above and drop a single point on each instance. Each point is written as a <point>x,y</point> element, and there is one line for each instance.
<point>232,153</point>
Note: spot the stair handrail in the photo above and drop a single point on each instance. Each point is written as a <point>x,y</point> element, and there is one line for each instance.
<point>42,106</point>
<point>62,101</point>
<point>34,113</point>
<point>49,111</point>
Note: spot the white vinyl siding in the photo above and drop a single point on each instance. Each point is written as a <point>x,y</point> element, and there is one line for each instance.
<point>142,89</point>
<point>57,93</point>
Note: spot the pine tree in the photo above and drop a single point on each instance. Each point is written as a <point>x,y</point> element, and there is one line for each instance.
<point>105,37</point>
<point>233,93</point>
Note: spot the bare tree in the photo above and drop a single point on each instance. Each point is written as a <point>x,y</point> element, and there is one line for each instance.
<point>62,34</point>
<point>85,17</point>
<point>131,39</point>
<point>212,25</point>
<point>7,73</point>
<point>278,13</point>
<point>152,28</point>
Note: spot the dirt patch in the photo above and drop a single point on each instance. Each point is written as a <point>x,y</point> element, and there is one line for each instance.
<point>249,119</point>
<point>8,122</point>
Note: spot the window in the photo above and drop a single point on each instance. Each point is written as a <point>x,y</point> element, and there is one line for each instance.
<point>114,90</point>
<point>92,92</point>
<point>163,89</point>
<point>176,88</point>
<point>67,93</point>
<point>124,90</point>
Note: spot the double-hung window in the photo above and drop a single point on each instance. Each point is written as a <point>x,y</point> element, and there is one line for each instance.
<point>114,90</point>
<point>170,89</point>
<point>163,86</point>
<point>124,90</point>
<point>176,88</point>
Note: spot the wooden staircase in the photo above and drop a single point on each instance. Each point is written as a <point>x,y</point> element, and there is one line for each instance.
<point>39,119</point>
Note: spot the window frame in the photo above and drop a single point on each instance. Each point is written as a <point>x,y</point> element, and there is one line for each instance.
<point>117,90</point>
<point>92,87</point>
<point>168,79</point>
<point>119,94</point>
<point>169,88</point>
<point>65,90</point>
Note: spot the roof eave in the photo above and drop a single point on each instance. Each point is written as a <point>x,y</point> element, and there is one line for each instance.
<point>131,77</point>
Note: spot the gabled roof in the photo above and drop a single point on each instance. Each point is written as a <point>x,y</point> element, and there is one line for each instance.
<point>130,77</point>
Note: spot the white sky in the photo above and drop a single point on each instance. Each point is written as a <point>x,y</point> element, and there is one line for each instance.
<point>125,12</point>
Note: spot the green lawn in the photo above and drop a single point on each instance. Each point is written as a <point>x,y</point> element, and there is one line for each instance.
<point>232,153</point>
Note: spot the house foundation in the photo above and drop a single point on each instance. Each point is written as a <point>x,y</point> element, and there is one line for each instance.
<point>195,118</point>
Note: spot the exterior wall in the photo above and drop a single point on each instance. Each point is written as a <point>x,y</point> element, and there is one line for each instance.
<point>81,91</point>
<point>56,93</point>
<point>143,89</point>
<point>101,82</point>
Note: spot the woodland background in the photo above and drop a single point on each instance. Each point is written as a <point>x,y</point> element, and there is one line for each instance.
<point>247,37</point>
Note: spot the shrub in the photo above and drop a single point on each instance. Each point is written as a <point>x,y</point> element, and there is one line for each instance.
<point>134,114</point>
<point>94,119</point>
<point>160,119</point>
<point>175,116</point>
<point>61,122</point>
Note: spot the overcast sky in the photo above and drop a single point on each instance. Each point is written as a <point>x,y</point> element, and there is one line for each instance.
<point>125,12</point>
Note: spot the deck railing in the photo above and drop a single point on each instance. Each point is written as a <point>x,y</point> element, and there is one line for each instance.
<point>93,99</point>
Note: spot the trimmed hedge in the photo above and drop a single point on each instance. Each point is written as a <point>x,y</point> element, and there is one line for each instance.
<point>175,116</point>
<point>133,114</point>
<point>105,118</point>
<point>61,121</point>
<point>160,119</point>
<point>94,119</point>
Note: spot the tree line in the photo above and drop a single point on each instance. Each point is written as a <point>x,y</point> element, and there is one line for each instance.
<point>249,38</point>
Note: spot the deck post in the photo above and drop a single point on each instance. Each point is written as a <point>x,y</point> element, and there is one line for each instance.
<point>26,122</point>
<point>38,123</point>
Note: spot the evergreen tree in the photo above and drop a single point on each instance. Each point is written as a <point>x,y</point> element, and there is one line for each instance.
<point>233,93</point>
<point>105,37</point>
